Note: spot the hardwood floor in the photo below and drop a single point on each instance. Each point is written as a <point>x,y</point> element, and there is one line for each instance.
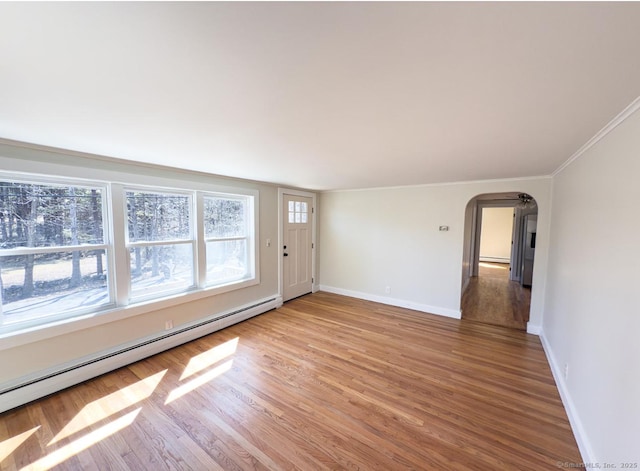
<point>325,382</point>
<point>492,299</point>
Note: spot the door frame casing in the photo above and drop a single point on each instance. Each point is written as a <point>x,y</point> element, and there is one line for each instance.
<point>477,225</point>
<point>517,246</point>
<point>314,245</point>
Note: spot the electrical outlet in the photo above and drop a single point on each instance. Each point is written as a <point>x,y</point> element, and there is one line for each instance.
<point>387,289</point>
<point>168,325</point>
<point>566,370</point>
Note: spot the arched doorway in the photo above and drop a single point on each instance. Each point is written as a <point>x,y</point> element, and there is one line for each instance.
<point>500,237</point>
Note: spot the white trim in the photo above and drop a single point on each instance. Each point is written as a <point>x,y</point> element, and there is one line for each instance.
<point>314,244</point>
<point>22,149</point>
<point>440,311</point>
<point>44,331</point>
<point>584,445</point>
<point>495,259</point>
<point>533,329</point>
<point>52,249</point>
<point>477,231</point>
<point>156,243</point>
<point>126,354</point>
<point>200,254</point>
<point>610,126</point>
<point>116,233</point>
<point>24,162</point>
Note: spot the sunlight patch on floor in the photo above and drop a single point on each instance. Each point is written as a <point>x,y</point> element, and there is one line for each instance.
<point>62,454</point>
<point>210,357</point>
<point>10,445</point>
<point>195,383</point>
<point>108,405</point>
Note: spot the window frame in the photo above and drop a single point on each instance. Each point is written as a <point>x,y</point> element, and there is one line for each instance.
<point>33,320</point>
<point>192,240</point>
<point>115,243</point>
<point>250,236</point>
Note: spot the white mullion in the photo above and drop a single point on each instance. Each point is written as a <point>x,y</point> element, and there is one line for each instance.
<point>51,249</point>
<point>200,254</point>
<point>107,238</point>
<point>152,243</point>
<point>225,239</point>
<point>120,264</point>
<point>252,231</point>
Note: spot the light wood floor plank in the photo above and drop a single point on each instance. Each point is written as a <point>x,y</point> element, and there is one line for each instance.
<point>491,298</point>
<point>325,382</point>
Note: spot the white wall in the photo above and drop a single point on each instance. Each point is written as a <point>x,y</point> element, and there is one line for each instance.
<point>495,235</point>
<point>592,314</point>
<point>376,238</point>
<point>78,339</point>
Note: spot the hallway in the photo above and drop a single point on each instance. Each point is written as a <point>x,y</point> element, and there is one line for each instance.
<point>492,299</point>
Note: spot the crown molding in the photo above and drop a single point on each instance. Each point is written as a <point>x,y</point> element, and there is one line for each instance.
<point>11,149</point>
<point>619,119</point>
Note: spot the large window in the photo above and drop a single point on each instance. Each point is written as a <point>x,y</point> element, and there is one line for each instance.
<point>160,243</point>
<point>53,250</point>
<point>227,228</point>
<point>78,248</point>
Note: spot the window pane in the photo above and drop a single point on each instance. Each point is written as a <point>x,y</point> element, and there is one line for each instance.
<point>297,206</point>
<point>304,218</point>
<point>226,261</point>
<point>297,217</point>
<point>161,268</point>
<point>156,217</point>
<point>303,207</point>
<point>46,215</point>
<point>224,217</point>
<point>48,284</point>
<point>292,218</point>
<point>291,206</point>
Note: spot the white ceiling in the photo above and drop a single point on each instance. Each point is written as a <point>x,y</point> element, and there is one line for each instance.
<point>320,95</point>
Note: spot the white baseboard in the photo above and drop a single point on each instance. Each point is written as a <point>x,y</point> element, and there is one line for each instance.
<point>533,329</point>
<point>495,259</point>
<point>586,451</point>
<point>441,311</point>
<point>33,387</point>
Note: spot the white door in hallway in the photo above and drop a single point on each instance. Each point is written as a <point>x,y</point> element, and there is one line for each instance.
<point>297,248</point>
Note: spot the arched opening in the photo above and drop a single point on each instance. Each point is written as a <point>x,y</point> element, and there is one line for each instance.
<point>499,250</point>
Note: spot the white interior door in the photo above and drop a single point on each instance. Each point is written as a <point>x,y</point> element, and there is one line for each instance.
<point>297,248</point>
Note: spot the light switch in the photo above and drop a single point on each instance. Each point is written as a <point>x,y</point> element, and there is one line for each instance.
<point>444,228</point>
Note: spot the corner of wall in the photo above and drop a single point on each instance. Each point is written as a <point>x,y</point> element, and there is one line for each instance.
<point>440,311</point>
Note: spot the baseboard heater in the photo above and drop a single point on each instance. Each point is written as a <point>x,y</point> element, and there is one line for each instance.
<point>29,389</point>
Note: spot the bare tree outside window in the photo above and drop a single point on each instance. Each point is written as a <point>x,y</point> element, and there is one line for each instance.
<point>45,231</point>
<point>161,242</point>
<point>226,231</point>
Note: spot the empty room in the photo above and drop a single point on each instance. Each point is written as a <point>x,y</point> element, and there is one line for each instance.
<point>319,235</point>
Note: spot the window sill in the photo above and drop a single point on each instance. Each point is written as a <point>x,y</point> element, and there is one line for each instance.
<point>47,330</point>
